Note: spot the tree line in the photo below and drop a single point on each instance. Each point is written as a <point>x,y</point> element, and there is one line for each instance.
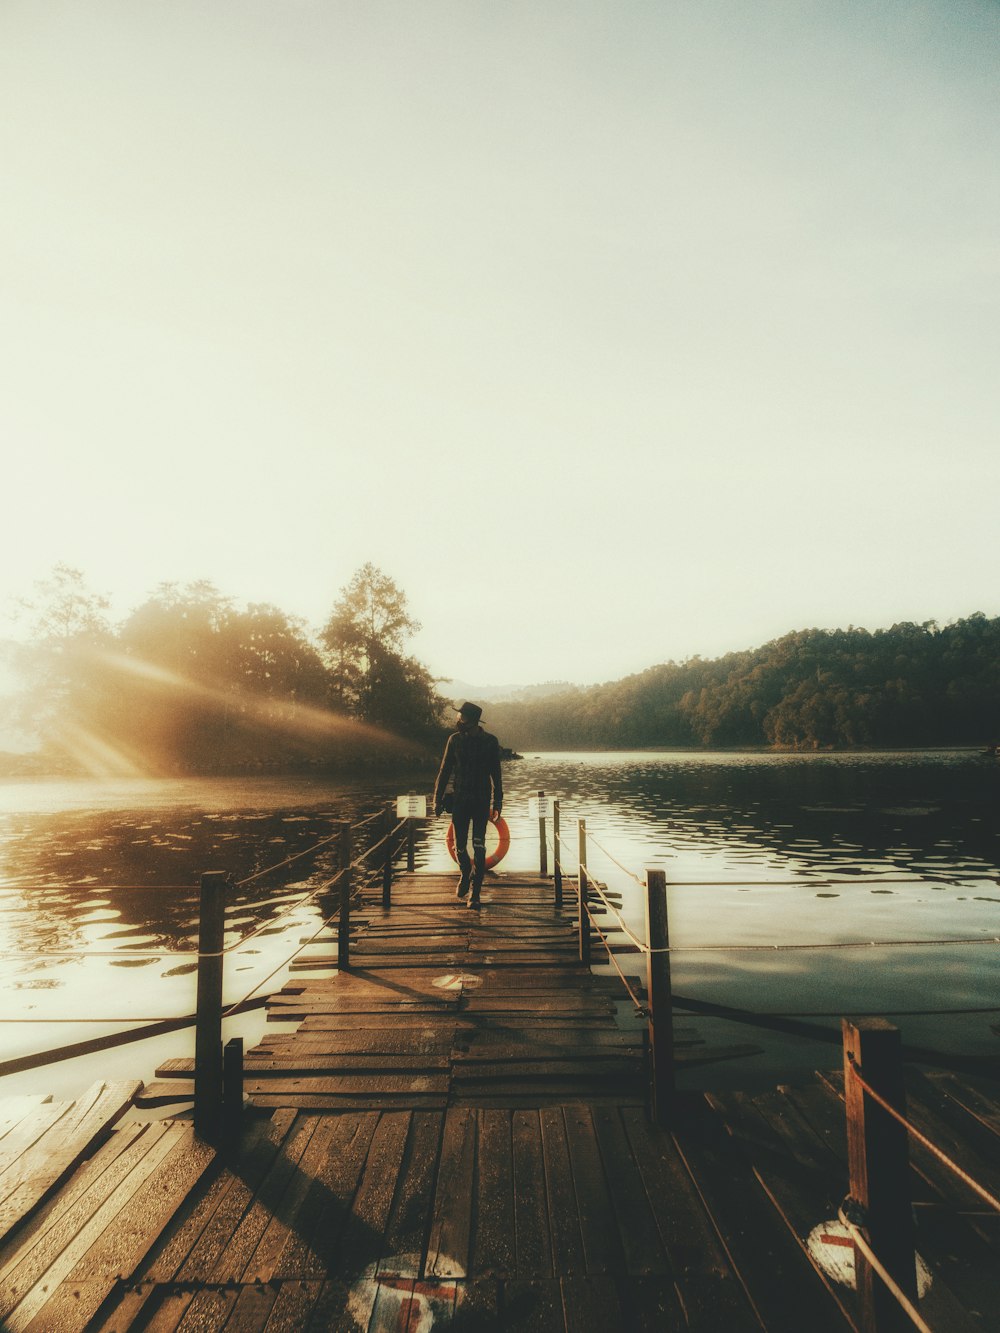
<point>911,685</point>
<point>189,682</point>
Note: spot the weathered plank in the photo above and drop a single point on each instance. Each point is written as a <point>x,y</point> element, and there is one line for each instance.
<point>29,1174</point>
<point>451,1224</point>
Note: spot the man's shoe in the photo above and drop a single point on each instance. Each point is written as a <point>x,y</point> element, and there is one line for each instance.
<point>474,901</point>
<point>463,887</point>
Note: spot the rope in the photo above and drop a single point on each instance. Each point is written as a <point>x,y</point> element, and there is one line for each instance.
<point>238,884</point>
<point>963,1175</point>
<point>99,888</point>
<point>641,945</point>
<point>614,859</point>
<point>227,1013</point>
<point>292,907</point>
<point>860,1240</point>
<point>640,1010</point>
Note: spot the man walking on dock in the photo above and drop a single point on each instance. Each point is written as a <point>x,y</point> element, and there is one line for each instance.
<point>472,762</point>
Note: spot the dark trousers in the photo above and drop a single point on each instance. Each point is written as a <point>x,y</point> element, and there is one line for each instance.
<point>463,815</point>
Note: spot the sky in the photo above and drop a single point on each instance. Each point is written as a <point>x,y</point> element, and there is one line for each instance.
<point>615,332</point>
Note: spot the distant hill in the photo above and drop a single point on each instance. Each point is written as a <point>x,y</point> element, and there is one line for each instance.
<point>911,685</point>
<point>460,690</point>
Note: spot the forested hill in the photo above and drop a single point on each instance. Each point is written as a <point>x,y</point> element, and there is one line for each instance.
<point>909,685</point>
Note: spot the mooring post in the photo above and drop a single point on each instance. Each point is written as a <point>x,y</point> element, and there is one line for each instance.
<point>232,1089</point>
<point>556,855</point>
<point>879,1167</point>
<point>411,844</point>
<point>543,847</point>
<point>584,914</point>
<point>659,996</point>
<point>387,824</point>
<point>344,924</point>
<point>208,1028</point>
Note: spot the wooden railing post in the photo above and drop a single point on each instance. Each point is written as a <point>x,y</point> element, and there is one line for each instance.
<point>411,844</point>
<point>659,996</point>
<point>208,1029</point>
<point>389,820</point>
<point>543,847</point>
<point>344,924</point>
<point>556,855</point>
<point>584,914</point>
<point>878,1162</point>
<point>232,1089</point>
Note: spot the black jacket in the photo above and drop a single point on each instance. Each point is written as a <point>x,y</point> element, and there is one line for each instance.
<point>472,760</point>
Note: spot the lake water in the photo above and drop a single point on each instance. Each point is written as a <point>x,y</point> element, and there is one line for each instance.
<point>98,892</point>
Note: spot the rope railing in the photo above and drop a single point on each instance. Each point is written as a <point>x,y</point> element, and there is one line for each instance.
<point>643,946</point>
<point>922,1138</point>
<point>891,1285</point>
<point>212,957</point>
<point>640,1009</point>
<point>238,1006</point>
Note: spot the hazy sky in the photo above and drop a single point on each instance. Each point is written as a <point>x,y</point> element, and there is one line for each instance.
<point>614,332</point>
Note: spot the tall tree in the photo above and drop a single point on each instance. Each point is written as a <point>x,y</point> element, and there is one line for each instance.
<point>370,674</point>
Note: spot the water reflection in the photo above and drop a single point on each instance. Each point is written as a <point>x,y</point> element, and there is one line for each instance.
<point>91,869</point>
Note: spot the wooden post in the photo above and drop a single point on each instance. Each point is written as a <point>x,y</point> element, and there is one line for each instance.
<point>543,846</point>
<point>878,1162</point>
<point>411,844</point>
<point>208,1029</point>
<point>388,822</point>
<point>344,924</point>
<point>584,914</point>
<point>232,1089</point>
<point>660,998</point>
<point>556,854</point>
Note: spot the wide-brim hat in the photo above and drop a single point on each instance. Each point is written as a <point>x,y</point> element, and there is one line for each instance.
<point>471,712</point>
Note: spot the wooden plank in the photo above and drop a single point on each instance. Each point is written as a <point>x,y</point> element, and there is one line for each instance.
<point>420,1040</point>
<point>972,1099</point>
<point>254,1163</point>
<point>621,1068</point>
<point>116,1236</point>
<point>268,1200</point>
<point>293,1305</point>
<point>493,1253</point>
<point>280,1225</point>
<point>963,1251</point>
<point>601,1242</point>
<point>651,1306</point>
<point>564,1220</point>
<point>591,1305</point>
<point>709,1291</point>
<point>251,1309</point>
<point>371,1084</point>
<point>779,1281</point>
<point>451,1225</point>
<point>352,1101</point>
<point>533,1245</point>
<point>322,1215</point>
<point>45,1237</point>
<point>362,1245</point>
<point>532,1307</point>
<point>640,1239</point>
<point>36,1173</point>
<point>409,1221</point>
<point>477,1306</point>
<point>165,1092</point>
<point>939,1305</point>
<point>14,1110</point>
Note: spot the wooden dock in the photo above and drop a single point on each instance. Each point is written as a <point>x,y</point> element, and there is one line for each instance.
<point>453,1133</point>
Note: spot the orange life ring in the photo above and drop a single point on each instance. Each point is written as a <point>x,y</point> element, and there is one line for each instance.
<point>503,846</point>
